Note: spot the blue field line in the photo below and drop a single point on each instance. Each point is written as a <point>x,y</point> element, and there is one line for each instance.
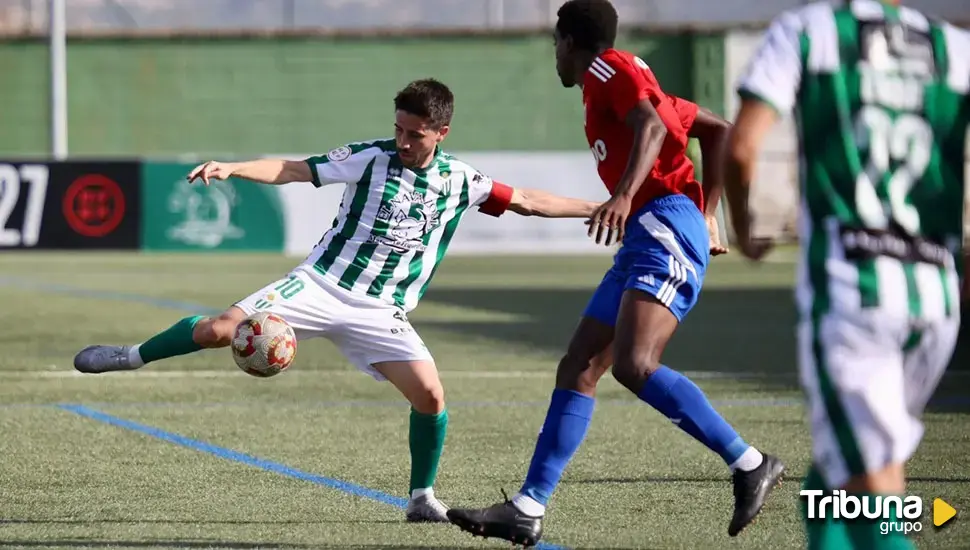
<point>242,458</point>
<point>79,292</point>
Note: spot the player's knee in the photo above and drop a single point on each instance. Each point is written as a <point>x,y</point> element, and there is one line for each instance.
<point>632,370</point>
<point>213,332</point>
<point>578,372</point>
<point>429,400</point>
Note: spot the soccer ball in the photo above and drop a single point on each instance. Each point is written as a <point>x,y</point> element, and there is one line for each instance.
<point>264,345</point>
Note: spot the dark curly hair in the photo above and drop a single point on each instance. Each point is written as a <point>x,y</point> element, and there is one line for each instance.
<point>428,99</point>
<point>590,23</point>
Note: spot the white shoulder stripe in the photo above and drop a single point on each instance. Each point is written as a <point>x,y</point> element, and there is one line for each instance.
<point>601,70</point>
<point>604,66</point>
<point>598,73</point>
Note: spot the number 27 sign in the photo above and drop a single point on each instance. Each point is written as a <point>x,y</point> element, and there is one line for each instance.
<point>70,205</point>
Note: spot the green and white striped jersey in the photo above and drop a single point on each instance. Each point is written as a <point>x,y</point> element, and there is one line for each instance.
<point>880,97</point>
<point>395,223</point>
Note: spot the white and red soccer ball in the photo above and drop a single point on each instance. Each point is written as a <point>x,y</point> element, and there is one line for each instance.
<point>264,345</point>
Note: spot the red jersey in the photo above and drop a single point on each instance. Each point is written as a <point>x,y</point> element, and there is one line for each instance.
<point>613,85</point>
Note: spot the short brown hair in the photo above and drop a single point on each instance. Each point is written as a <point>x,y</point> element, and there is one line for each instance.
<point>429,99</point>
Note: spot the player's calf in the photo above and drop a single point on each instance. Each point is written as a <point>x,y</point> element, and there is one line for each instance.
<point>643,329</point>
<point>187,335</point>
<point>217,332</point>
<point>419,383</point>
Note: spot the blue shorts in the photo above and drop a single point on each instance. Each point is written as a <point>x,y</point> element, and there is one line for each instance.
<point>664,253</point>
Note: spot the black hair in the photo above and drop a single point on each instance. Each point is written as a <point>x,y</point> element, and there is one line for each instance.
<point>590,23</point>
<point>429,99</point>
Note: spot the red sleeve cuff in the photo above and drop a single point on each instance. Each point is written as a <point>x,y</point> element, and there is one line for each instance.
<point>498,200</point>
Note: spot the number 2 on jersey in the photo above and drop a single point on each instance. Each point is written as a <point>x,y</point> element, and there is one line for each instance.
<point>907,139</point>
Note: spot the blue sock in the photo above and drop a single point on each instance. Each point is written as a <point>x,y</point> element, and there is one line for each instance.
<point>562,433</point>
<point>680,400</point>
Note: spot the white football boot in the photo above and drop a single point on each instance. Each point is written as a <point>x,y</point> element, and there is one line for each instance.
<point>426,508</point>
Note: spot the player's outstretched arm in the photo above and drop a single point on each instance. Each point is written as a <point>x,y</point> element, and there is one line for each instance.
<point>268,171</point>
<point>750,128</point>
<point>534,202</point>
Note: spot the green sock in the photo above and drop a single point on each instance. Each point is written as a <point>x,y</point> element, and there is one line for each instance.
<point>426,440</point>
<point>867,533</point>
<point>175,340</point>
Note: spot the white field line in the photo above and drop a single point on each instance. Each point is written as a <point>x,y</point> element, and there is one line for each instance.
<point>229,372</point>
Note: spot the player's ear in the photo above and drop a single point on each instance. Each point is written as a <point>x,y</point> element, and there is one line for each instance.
<point>567,43</point>
<point>443,132</point>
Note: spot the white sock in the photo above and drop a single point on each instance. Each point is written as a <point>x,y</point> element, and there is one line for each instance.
<point>528,505</point>
<point>418,493</point>
<point>134,357</point>
<point>749,460</point>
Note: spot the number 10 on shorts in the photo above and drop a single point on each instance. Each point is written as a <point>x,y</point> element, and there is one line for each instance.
<point>287,289</point>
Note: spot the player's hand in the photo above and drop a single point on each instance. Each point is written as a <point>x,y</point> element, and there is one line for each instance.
<point>211,170</point>
<point>716,247</point>
<point>756,248</point>
<point>610,216</point>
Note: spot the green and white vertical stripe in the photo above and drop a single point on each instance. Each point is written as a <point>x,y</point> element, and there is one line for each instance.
<point>363,252</point>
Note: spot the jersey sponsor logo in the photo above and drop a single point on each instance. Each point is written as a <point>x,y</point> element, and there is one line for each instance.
<point>340,153</point>
<point>402,318</point>
<point>410,216</point>
<point>862,244</point>
<point>478,181</point>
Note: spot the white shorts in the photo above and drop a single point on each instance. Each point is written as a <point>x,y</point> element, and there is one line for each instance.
<point>366,330</point>
<point>866,391</point>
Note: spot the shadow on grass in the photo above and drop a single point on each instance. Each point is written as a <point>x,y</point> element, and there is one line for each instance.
<point>747,335</point>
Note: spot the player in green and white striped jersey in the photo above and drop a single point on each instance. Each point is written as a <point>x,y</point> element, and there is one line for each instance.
<point>880,95</point>
<point>404,200</point>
